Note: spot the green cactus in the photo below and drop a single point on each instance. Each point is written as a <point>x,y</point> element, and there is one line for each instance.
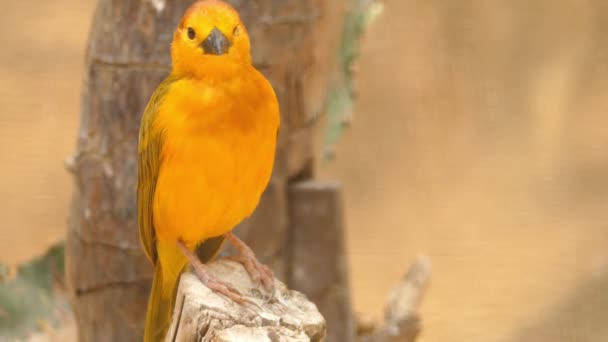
<point>340,104</point>
<point>28,299</point>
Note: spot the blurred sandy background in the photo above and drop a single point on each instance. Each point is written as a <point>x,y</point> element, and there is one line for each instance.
<point>480,139</point>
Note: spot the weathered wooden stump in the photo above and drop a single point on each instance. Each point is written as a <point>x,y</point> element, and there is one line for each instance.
<point>202,315</point>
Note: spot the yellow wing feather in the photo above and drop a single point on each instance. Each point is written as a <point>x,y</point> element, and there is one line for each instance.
<point>166,273</point>
<point>150,145</point>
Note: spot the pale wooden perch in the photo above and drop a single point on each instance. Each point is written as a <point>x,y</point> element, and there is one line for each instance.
<point>202,315</point>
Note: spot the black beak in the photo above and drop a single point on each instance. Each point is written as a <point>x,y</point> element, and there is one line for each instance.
<point>216,43</point>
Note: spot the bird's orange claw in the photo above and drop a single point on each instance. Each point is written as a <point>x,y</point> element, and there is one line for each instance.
<point>259,273</point>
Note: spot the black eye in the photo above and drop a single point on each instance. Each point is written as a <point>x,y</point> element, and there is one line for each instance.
<point>191,33</point>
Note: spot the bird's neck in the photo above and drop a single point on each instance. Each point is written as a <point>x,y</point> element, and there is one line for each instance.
<point>210,68</point>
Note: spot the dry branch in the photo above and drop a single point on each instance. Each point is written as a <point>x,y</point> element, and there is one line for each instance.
<point>401,321</point>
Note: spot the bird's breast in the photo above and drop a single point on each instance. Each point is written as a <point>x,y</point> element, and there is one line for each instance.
<point>206,186</point>
<point>216,160</point>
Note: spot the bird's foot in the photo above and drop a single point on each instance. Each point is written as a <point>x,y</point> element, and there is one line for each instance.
<point>206,277</point>
<point>218,286</point>
<point>259,273</point>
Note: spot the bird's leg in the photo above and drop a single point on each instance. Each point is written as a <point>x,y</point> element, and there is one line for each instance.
<point>208,279</point>
<point>258,272</point>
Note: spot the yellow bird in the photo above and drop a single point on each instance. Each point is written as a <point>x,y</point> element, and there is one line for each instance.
<point>206,151</point>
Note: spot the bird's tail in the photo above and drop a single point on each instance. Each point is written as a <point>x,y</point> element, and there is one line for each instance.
<point>160,309</point>
<point>169,265</point>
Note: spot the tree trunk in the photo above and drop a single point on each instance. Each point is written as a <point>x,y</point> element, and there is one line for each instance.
<point>319,266</point>
<point>294,45</point>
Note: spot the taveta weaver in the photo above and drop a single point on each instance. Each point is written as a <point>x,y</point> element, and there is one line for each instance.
<point>206,151</point>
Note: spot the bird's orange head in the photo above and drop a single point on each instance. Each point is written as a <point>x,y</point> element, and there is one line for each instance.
<point>210,30</point>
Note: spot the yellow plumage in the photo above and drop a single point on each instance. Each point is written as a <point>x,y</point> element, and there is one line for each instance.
<point>206,151</point>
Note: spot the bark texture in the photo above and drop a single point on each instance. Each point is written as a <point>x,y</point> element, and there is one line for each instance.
<point>294,45</point>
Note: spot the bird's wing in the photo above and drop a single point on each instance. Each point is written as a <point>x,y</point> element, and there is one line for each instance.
<point>148,163</point>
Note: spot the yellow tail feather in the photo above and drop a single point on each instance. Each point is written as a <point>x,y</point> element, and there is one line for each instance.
<point>169,265</point>
<point>160,309</point>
